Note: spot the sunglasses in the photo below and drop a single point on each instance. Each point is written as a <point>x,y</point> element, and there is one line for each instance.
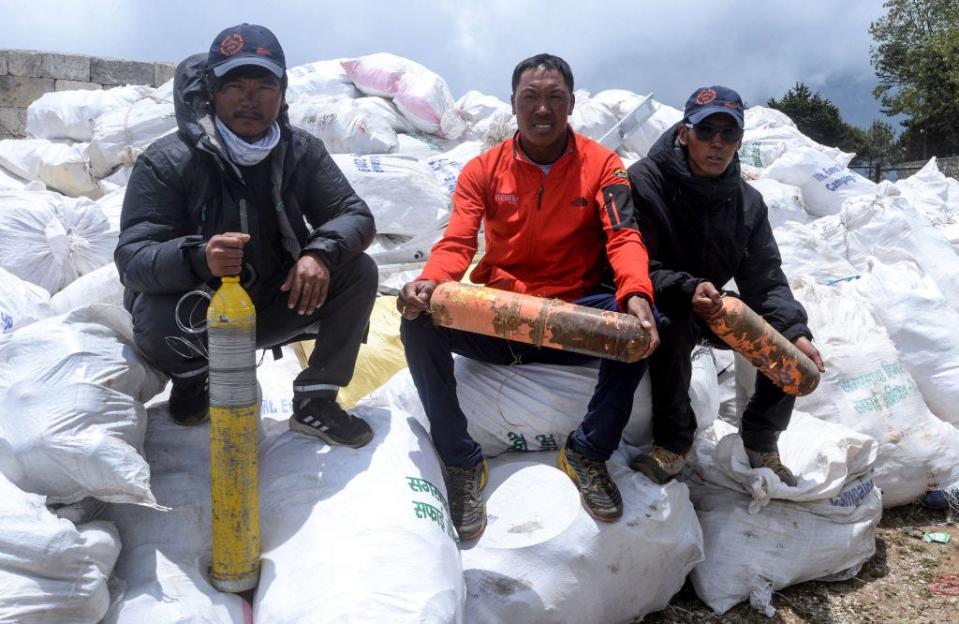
<point>705,132</point>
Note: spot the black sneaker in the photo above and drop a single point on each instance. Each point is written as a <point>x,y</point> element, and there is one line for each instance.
<point>326,420</point>
<point>190,400</point>
<point>600,496</point>
<point>467,507</point>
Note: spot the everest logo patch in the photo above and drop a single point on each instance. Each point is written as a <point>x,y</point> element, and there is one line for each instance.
<point>506,198</point>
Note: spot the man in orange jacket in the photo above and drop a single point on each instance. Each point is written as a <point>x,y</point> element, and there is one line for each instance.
<point>557,209</point>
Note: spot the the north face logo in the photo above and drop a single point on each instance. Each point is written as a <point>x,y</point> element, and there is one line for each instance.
<point>579,202</point>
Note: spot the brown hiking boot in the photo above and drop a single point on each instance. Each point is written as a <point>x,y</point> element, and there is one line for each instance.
<point>659,465</point>
<point>771,460</point>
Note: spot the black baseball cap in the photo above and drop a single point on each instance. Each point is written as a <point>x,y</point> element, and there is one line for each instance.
<point>707,101</point>
<point>246,44</point>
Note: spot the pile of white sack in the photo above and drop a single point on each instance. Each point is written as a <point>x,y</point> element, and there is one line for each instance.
<point>83,419</point>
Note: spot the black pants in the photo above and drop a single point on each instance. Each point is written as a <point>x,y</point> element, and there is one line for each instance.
<point>670,369</point>
<point>429,350</point>
<point>341,323</point>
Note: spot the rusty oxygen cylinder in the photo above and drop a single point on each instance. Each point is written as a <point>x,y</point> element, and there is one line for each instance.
<point>756,340</point>
<point>537,321</point>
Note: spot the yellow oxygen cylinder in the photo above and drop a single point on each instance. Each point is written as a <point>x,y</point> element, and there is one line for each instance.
<point>234,479</point>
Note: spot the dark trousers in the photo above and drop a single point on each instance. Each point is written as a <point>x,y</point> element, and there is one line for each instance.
<point>429,350</point>
<point>670,369</point>
<point>341,323</point>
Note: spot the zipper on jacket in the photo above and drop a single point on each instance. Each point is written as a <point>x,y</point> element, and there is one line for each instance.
<point>539,197</point>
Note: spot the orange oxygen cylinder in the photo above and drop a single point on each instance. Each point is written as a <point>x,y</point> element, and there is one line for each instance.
<point>756,340</point>
<point>542,322</point>
<point>234,407</point>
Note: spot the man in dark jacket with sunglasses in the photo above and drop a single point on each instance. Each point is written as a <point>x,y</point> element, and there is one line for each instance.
<point>704,225</point>
<point>238,191</point>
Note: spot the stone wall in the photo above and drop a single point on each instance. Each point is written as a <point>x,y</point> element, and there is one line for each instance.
<point>25,75</point>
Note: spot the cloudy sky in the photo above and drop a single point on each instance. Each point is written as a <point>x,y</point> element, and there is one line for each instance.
<point>760,48</point>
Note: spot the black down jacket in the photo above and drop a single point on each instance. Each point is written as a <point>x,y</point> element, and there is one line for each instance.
<point>700,229</point>
<point>183,188</point>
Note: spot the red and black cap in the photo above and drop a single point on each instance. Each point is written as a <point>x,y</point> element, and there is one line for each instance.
<point>707,101</point>
<point>246,44</point>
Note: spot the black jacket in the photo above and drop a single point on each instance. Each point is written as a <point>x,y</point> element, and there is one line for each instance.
<point>183,188</point>
<point>700,229</point>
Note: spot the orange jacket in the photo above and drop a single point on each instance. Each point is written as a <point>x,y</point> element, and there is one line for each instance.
<point>546,235</point>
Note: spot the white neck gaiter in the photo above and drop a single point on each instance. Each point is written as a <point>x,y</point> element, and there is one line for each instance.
<point>248,154</point>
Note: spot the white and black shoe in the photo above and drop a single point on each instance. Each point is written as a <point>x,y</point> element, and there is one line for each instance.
<point>325,419</point>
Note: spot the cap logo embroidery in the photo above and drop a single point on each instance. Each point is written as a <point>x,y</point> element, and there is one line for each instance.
<point>232,44</point>
<point>705,96</point>
<point>731,105</point>
<point>263,52</point>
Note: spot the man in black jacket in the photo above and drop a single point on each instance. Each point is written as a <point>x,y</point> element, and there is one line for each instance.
<point>231,193</point>
<point>704,225</point>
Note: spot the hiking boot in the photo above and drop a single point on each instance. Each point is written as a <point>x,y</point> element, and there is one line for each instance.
<point>659,465</point>
<point>189,402</point>
<point>467,507</point>
<point>326,420</point>
<point>759,459</point>
<point>600,496</point>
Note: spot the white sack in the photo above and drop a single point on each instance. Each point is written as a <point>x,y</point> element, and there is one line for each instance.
<point>370,526</point>
<point>162,570</point>
<point>61,166</point>
<point>922,325</point>
<point>784,201</point>
<point>111,205</point>
<point>448,166</point>
<point>50,240</point>
<point>592,117</point>
<point>100,286</point>
<point>50,571</point>
<point>10,182</point>
<point>825,183</point>
<point>403,194</point>
<point>867,388</point>
<point>90,344</point>
<point>885,223</point>
<point>319,78</point>
<point>420,95</point>
<point>770,132</point>
<point>469,118</point>
<point>21,303</point>
<point>71,114</point>
<point>543,559</point>
<point>74,440</point>
<point>362,126</point>
<point>936,197</point>
<point>644,137</point>
<point>761,536</point>
<point>534,407</point>
<point>805,253</point>
<point>121,135</point>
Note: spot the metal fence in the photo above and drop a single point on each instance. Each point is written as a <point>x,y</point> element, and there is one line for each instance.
<point>948,165</point>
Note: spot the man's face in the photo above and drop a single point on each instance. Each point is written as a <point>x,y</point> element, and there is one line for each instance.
<point>710,158</point>
<point>249,106</point>
<point>542,104</point>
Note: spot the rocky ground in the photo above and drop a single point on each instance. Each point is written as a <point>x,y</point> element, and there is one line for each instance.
<point>908,580</point>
